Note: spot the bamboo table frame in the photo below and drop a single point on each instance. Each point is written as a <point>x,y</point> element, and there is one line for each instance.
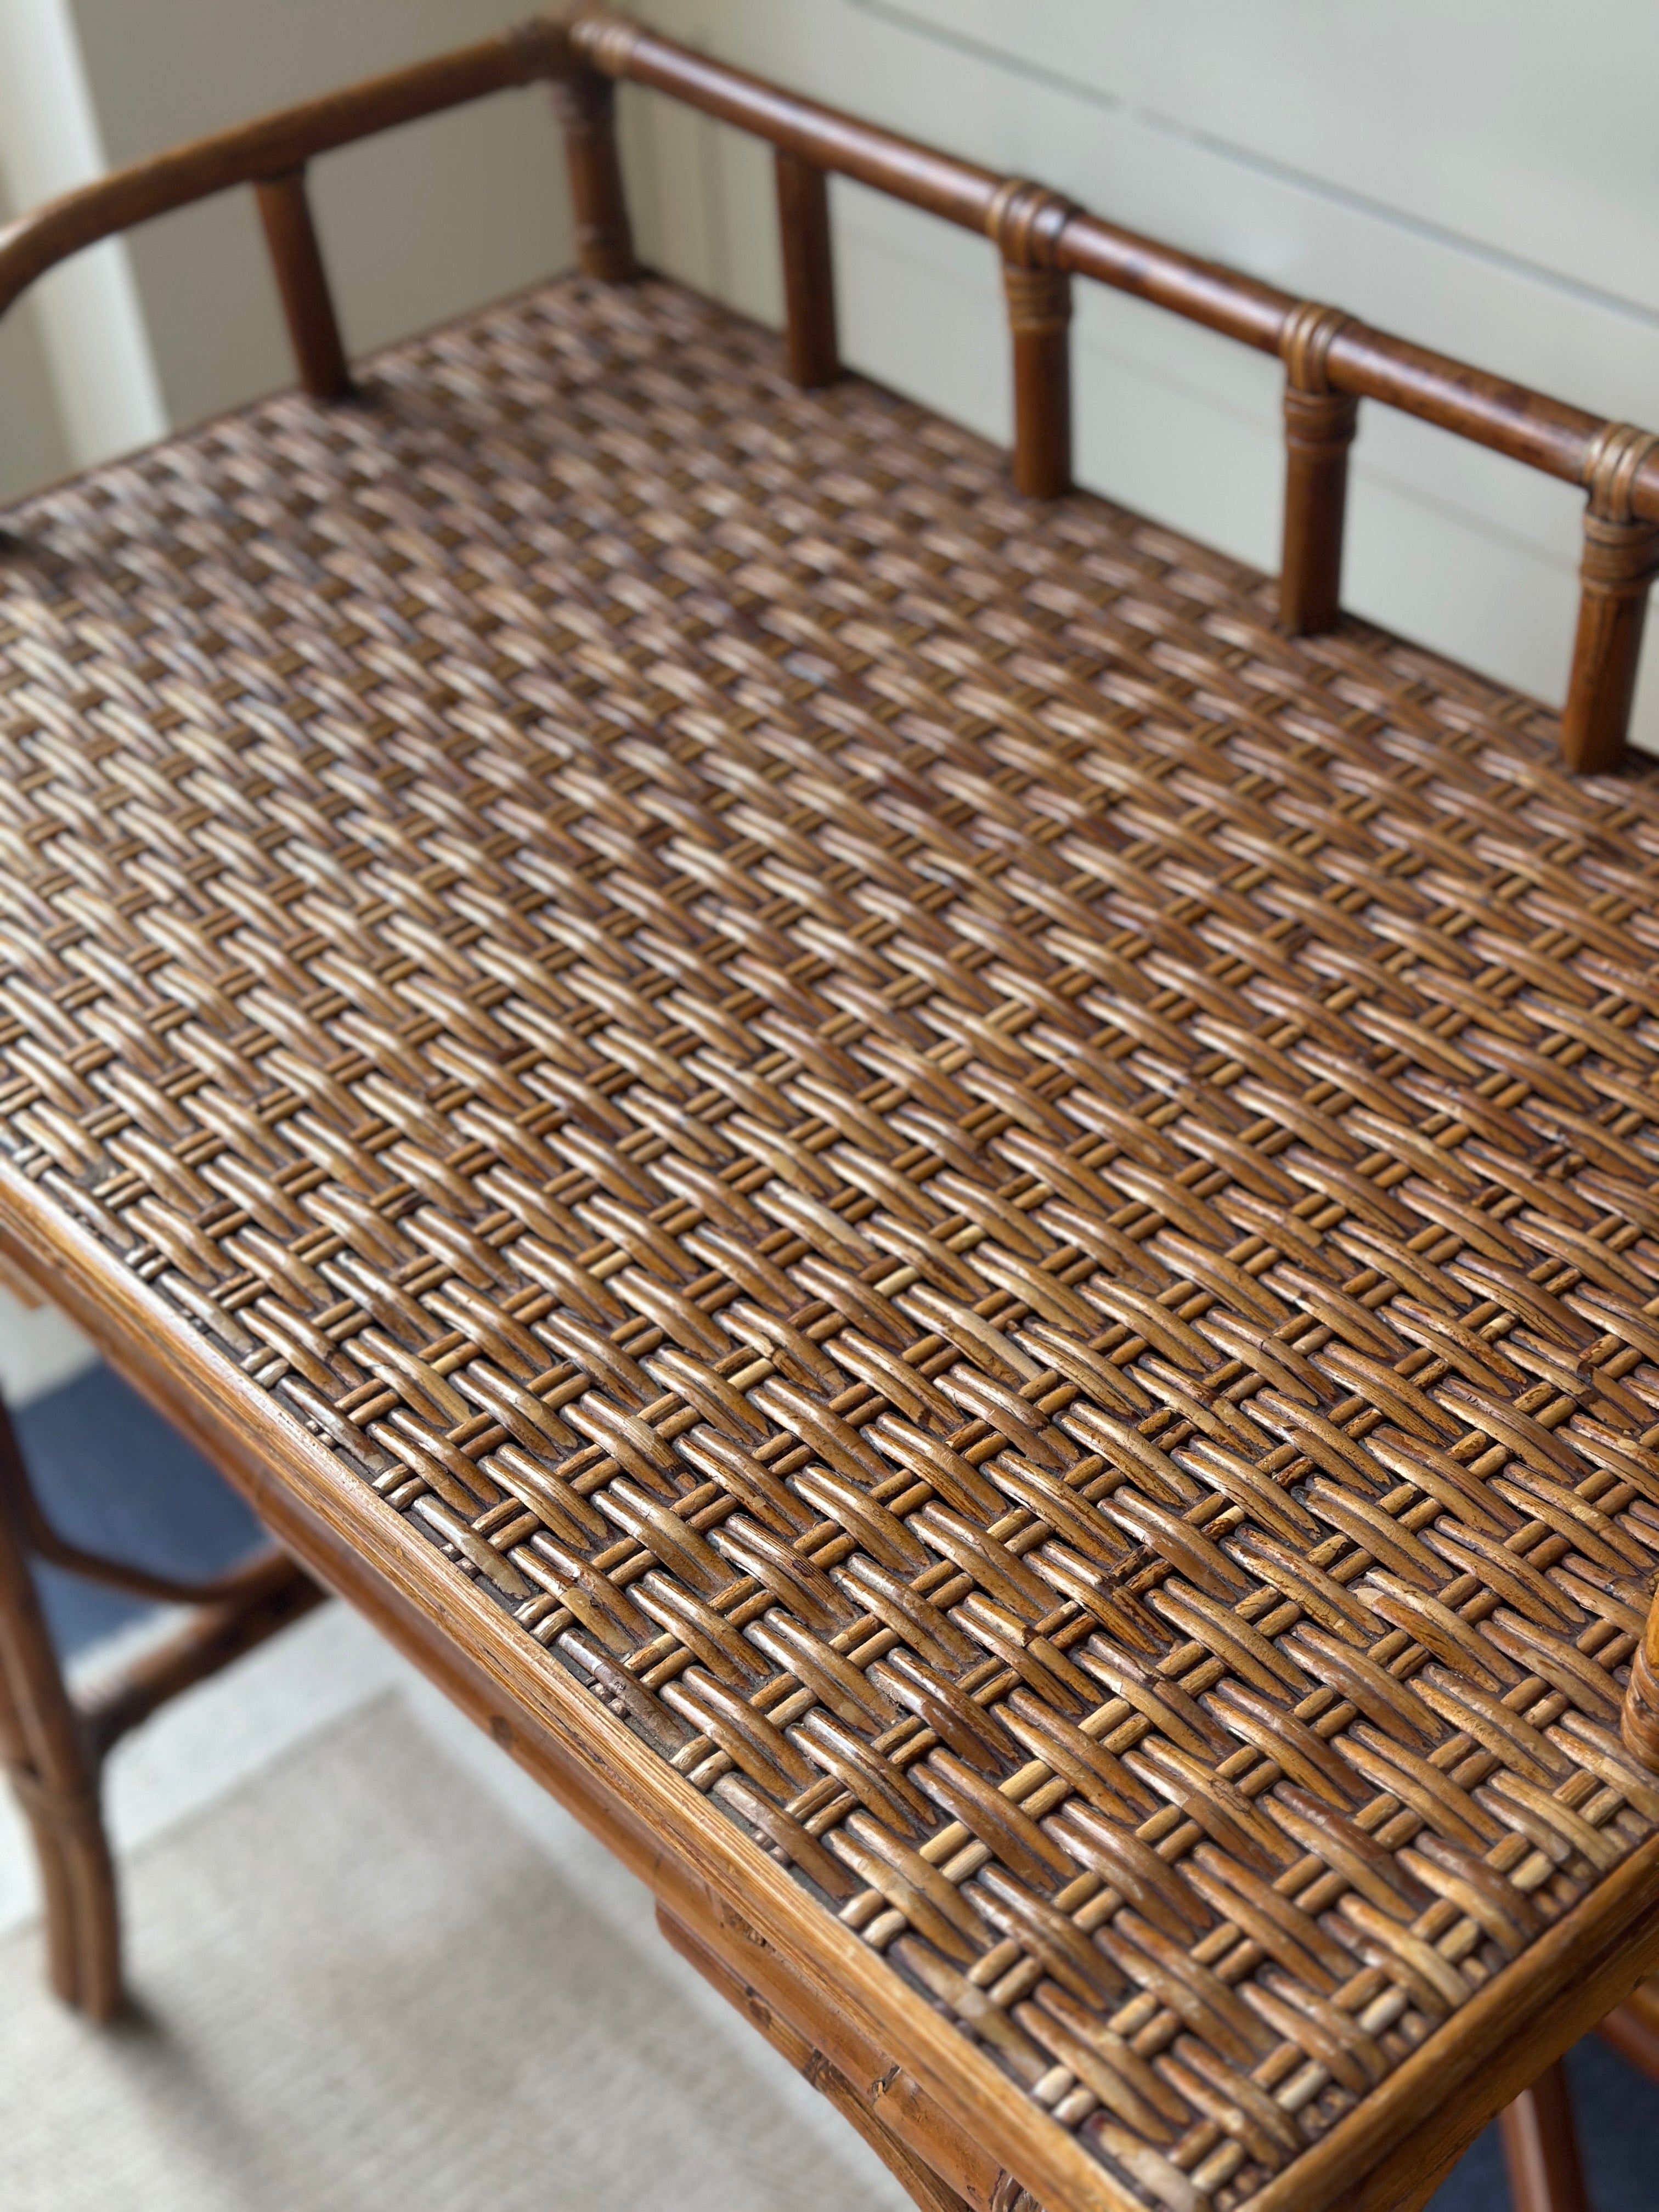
<point>932,2104</point>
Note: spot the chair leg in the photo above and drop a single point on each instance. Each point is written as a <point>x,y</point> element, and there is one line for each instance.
<point>54,1775</point>
<point>1540,2148</point>
<point>1632,2029</point>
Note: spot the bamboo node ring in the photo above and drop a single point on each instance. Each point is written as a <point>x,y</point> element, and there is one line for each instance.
<point>606,42</point>
<point>66,1811</point>
<point>1024,223</point>
<point>1304,343</point>
<point>1612,462</point>
<point>1039,300</point>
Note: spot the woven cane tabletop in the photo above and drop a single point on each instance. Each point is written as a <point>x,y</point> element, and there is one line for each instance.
<point>1020,1216</point>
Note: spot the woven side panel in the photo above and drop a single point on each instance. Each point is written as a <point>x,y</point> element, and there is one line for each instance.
<point>1017,1216</point>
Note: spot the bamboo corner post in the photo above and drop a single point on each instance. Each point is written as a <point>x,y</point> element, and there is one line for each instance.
<point>1620,558</point>
<point>1319,427</point>
<point>1024,223</point>
<point>297,257</point>
<point>812,350</point>
<point>585,101</point>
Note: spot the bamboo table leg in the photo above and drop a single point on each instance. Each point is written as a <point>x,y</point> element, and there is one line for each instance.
<point>54,1775</point>
<point>54,1749</point>
<point>1540,2148</point>
<point>1632,2029</point>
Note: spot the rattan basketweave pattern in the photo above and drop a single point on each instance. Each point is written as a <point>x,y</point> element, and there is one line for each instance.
<point>1017,1214</point>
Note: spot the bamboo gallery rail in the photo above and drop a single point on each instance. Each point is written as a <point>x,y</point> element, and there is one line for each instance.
<point>1331,360</point>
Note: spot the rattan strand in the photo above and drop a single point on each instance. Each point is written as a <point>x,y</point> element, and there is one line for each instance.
<point>1017,1214</point>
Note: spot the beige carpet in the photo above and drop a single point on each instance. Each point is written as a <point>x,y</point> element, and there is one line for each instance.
<point>365,1982</point>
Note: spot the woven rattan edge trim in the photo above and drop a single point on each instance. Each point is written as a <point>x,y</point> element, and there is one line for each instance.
<point>157,1352</point>
<point>1578,1970</point>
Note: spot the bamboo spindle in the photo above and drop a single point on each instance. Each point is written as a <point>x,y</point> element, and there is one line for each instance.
<point>1620,558</point>
<point>1640,1722</point>
<point>297,258</point>
<point>585,104</point>
<point>1319,427</point>
<point>1024,223</point>
<point>810,345</point>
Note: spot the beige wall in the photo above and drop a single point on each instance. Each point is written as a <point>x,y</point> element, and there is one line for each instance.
<point>416,225</point>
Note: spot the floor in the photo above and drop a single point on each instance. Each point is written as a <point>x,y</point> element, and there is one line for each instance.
<point>113,1475</point>
<point>374,1970</point>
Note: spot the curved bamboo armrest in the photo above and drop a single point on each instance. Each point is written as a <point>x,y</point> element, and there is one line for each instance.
<point>270,154</point>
